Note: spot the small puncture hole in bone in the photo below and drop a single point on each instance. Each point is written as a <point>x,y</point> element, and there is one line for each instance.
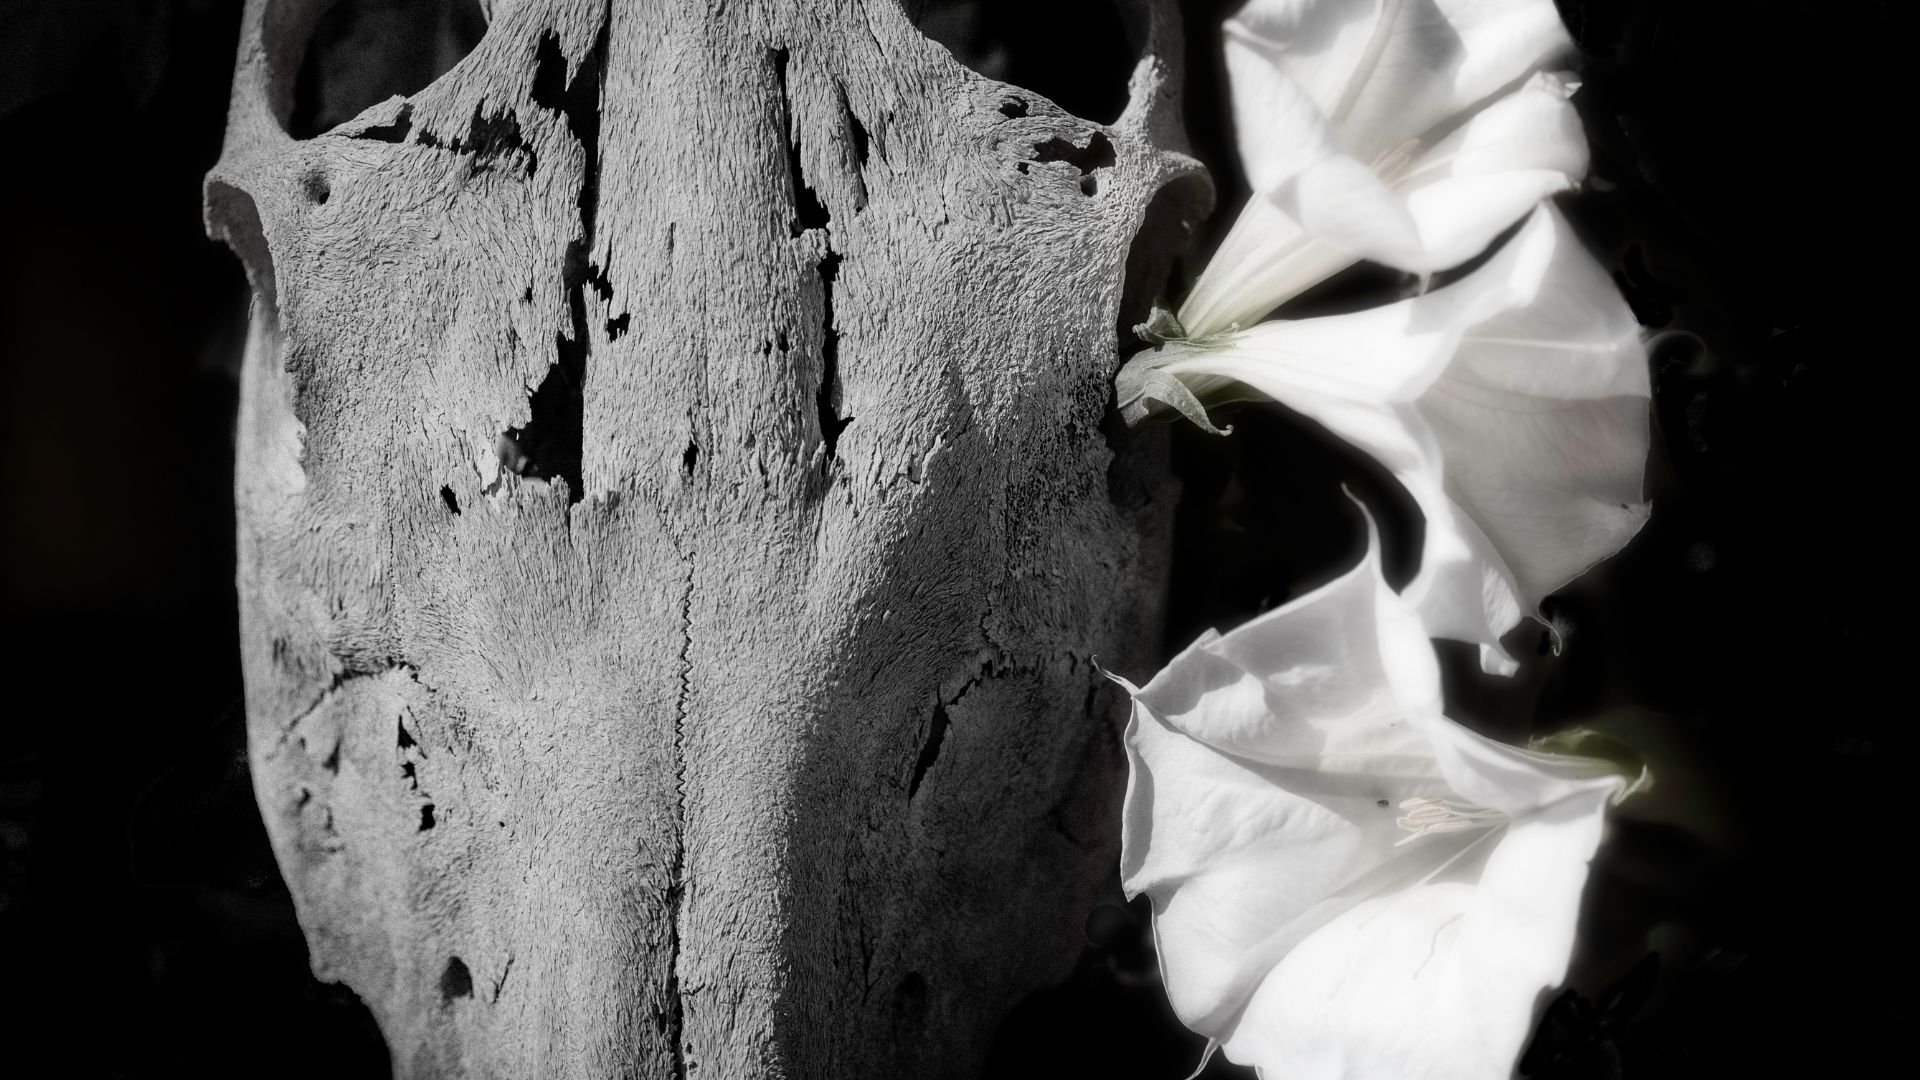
<point>453,502</point>
<point>456,981</point>
<point>910,1004</point>
<point>426,817</point>
<point>315,187</point>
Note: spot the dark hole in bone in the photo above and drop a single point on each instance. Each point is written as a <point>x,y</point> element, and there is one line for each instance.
<point>332,764</point>
<point>426,817</point>
<point>618,325</point>
<point>405,738</point>
<point>362,52</point>
<point>453,502</point>
<point>930,750</point>
<point>859,143</point>
<point>550,444</point>
<point>1014,108</point>
<point>808,211</point>
<point>691,458</point>
<point>827,399</point>
<point>488,140</point>
<point>394,131</point>
<point>456,981</point>
<point>910,1003</point>
<point>1096,154</point>
<point>861,140</point>
<point>507,449</point>
<point>315,187</point>
<point>1077,53</point>
<point>492,137</point>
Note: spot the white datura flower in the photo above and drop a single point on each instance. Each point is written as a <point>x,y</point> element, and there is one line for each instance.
<point>1408,132</point>
<point>1347,885</point>
<point>1512,405</point>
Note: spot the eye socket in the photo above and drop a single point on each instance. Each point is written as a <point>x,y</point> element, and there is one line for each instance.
<point>362,52</point>
<point>1079,54</point>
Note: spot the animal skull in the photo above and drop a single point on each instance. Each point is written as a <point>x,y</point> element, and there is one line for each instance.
<point>676,531</point>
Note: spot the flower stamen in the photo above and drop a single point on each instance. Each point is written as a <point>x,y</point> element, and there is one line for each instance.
<point>1425,814</point>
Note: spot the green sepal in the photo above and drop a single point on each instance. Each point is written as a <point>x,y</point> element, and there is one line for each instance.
<point>1587,743</point>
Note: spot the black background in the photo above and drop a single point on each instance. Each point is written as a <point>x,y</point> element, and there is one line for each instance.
<point>1752,921</point>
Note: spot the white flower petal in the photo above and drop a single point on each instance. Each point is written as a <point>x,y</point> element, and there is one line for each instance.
<point>1437,209</point>
<point>1512,406</point>
<point>1296,923</point>
<point>1486,174</point>
<point>1346,205</point>
<point>1340,663</point>
<point>1377,355</point>
<point>1511,779</point>
<point>1541,420</point>
<point>1464,591</point>
<point>1382,72</point>
<point>1279,750</point>
<point>1435,982</point>
<point>1282,128</point>
<point>1266,259</point>
<point>1363,999</point>
<point>1358,375</point>
<point>1235,856</point>
<point>1453,197</point>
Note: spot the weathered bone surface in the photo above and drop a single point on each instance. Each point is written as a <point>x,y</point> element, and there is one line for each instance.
<point>676,532</point>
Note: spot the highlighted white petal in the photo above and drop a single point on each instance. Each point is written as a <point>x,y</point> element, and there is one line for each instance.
<point>1432,206</point>
<point>1541,420</point>
<point>1385,71</point>
<point>1301,921</point>
<point>1511,405</point>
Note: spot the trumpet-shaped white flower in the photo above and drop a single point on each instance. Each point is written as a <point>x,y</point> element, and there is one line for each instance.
<point>1346,884</point>
<point>1512,405</point>
<point>1409,132</point>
